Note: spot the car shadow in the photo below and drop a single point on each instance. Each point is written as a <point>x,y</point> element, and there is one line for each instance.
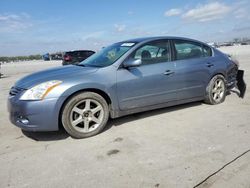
<point>141,115</point>
<point>47,136</point>
<point>62,134</point>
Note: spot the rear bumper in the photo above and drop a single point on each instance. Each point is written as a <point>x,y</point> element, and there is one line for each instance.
<point>241,85</point>
<point>237,81</point>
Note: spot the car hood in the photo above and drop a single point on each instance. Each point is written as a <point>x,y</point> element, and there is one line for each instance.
<point>58,73</point>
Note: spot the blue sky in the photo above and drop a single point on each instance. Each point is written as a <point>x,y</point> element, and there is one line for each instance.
<point>39,26</point>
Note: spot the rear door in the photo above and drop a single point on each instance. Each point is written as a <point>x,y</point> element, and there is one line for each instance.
<point>151,83</point>
<point>193,68</point>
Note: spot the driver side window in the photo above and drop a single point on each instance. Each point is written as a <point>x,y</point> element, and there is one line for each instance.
<point>154,52</point>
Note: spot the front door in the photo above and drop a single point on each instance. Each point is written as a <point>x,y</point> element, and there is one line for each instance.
<point>150,83</point>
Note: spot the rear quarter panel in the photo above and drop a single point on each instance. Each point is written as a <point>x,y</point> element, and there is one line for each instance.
<point>225,66</point>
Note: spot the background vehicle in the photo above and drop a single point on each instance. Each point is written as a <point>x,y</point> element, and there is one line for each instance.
<point>56,56</point>
<point>124,78</point>
<point>73,57</point>
<point>46,57</point>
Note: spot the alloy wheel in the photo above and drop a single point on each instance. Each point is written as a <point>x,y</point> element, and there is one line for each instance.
<point>218,90</point>
<point>87,115</point>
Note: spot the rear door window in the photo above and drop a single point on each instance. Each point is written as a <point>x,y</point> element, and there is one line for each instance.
<point>188,50</point>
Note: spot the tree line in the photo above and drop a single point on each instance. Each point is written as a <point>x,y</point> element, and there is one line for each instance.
<point>5,59</point>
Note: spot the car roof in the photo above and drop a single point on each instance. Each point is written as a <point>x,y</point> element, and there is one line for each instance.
<point>148,39</point>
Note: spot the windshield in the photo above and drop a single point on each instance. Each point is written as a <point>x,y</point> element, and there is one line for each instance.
<point>107,56</point>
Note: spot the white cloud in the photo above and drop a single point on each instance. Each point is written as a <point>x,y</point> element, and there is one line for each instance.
<point>241,10</point>
<point>119,27</point>
<point>207,12</point>
<point>241,13</point>
<point>14,22</point>
<point>173,12</point>
<point>9,17</point>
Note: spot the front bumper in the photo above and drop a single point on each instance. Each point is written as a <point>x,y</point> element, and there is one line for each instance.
<point>33,115</point>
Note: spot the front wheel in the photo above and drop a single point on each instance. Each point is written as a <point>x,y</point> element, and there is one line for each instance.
<point>216,90</point>
<point>85,115</point>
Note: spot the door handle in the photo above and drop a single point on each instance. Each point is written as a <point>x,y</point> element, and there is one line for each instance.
<point>210,64</point>
<point>168,72</point>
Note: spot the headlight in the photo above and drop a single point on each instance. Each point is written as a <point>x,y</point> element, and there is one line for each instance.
<point>39,91</point>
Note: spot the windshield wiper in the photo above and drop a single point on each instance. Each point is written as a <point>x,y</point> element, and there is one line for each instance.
<point>88,65</point>
<point>95,65</point>
<point>80,65</point>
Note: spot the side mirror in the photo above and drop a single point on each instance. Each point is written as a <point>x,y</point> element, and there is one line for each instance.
<point>132,63</point>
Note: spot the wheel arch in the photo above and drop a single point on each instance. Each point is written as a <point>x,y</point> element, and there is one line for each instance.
<point>219,73</point>
<point>215,74</point>
<point>94,90</point>
<point>222,73</point>
<point>208,99</point>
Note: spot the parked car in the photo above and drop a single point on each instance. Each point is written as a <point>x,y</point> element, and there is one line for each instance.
<point>74,57</point>
<point>46,57</point>
<point>56,56</point>
<point>124,78</point>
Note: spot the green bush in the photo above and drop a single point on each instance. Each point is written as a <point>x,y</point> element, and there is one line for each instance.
<point>20,58</point>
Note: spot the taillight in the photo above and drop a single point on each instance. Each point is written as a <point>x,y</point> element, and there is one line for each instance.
<point>67,58</point>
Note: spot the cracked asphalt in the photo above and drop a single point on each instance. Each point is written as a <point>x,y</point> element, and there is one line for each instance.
<point>183,146</point>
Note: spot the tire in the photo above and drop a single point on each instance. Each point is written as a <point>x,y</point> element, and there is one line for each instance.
<point>85,115</point>
<point>216,90</point>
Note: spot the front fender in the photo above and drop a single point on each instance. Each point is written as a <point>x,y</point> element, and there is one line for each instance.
<point>87,87</point>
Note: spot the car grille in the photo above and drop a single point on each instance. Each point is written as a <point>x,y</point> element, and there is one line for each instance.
<point>15,90</point>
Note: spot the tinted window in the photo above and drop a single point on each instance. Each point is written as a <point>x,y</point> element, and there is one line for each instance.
<point>80,53</point>
<point>89,53</point>
<point>85,53</point>
<point>69,53</point>
<point>154,52</point>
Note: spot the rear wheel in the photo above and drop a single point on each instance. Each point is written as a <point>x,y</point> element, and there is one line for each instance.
<point>216,90</point>
<point>85,115</point>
